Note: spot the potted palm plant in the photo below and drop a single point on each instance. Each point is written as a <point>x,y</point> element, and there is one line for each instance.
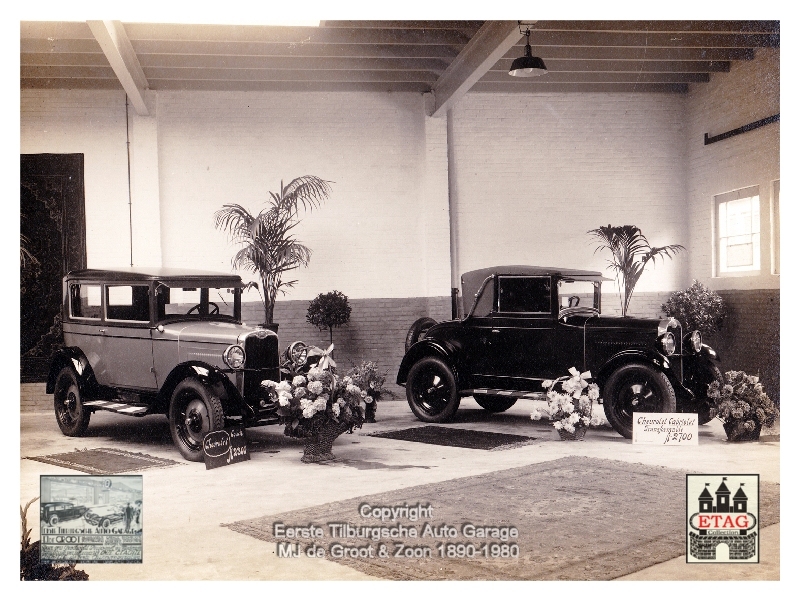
<point>630,253</point>
<point>269,247</point>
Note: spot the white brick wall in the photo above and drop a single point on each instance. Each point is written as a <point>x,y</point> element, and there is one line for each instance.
<point>750,92</point>
<point>535,172</point>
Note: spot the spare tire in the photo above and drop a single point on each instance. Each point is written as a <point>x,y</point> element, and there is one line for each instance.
<point>418,330</point>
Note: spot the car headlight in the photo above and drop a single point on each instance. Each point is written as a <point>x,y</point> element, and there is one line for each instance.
<point>696,340</point>
<point>668,343</point>
<point>234,357</point>
<point>298,353</point>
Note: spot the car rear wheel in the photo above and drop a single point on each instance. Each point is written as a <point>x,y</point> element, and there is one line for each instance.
<point>106,523</point>
<point>71,415</point>
<point>193,412</point>
<point>636,388</point>
<point>53,520</point>
<point>418,330</point>
<point>494,404</point>
<point>432,391</point>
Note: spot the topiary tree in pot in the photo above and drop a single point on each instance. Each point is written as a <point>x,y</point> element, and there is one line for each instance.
<point>269,247</point>
<point>328,311</point>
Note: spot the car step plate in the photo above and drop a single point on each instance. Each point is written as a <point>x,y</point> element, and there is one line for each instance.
<point>137,410</point>
<point>505,393</point>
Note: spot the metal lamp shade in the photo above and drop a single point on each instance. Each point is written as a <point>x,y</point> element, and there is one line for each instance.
<point>528,65</point>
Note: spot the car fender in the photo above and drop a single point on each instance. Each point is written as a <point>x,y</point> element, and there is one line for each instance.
<point>207,374</point>
<point>72,357</point>
<point>429,347</point>
<point>645,356</point>
<point>708,353</point>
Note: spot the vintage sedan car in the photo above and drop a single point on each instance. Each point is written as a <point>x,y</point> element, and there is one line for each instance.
<point>529,324</point>
<point>105,515</point>
<point>139,342</point>
<point>54,513</point>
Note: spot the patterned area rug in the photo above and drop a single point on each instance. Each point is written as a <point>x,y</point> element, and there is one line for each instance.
<point>104,461</point>
<point>454,436</point>
<point>577,519</point>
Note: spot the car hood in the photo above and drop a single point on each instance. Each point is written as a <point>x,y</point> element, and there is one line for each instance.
<point>218,332</point>
<point>103,511</point>
<point>608,322</point>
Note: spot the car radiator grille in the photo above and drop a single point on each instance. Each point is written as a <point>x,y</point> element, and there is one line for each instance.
<point>262,363</point>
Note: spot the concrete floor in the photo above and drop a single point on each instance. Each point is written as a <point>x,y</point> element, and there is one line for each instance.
<point>185,505</point>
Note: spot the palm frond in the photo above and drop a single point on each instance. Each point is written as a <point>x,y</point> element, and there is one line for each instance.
<point>308,190</point>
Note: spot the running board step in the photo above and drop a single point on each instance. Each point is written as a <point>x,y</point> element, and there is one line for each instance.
<point>505,393</point>
<point>137,410</point>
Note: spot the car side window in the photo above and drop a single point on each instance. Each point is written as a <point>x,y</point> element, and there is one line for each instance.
<point>128,303</point>
<point>85,301</point>
<point>524,295</point>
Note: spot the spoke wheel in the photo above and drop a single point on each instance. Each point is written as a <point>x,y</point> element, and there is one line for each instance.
<point>636,388</point>
<point>431,391</point>
<point>71,415</point>
<point>194,411</point>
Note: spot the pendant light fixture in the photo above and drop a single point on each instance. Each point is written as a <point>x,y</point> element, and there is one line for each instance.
<point>528,65</point>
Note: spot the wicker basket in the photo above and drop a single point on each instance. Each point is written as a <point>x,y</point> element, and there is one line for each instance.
<point>739,434</point>
<point>580,432</point>
<point>319,447</point>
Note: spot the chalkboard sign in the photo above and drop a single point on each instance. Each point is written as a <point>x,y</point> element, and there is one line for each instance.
<point>225,447</point>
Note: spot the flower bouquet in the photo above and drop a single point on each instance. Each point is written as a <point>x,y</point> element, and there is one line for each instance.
<point>318,407</point>
<point>367,378</point>
<point>570,410</point>
<point>742,406</point>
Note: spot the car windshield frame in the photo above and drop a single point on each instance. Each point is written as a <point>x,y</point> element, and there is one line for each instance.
<point>203,313</point>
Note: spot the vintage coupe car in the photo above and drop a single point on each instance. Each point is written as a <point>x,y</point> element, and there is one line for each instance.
<point>54,513</point>
<point>105,515</point>
<point>140,341</point>
<point>529,324</point>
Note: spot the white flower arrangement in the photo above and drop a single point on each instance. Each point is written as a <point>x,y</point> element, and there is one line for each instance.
<point>573,406</point>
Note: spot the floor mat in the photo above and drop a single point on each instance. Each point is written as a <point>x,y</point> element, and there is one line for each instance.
<point>578,518</point>
<point>454,436</point>
<point>104,461</point>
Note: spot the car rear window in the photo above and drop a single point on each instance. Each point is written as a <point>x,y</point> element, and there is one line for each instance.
<point>524,295</point>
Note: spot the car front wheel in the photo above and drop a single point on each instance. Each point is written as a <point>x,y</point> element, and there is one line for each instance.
<point>636,388</point>
<point>53,520</point>
<point>71,415</point>
<point>432,391</point>
<point>193,412</point>
<point>494,404</point>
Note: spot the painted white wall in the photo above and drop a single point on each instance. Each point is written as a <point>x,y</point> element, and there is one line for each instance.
<point>750,92</point>
<point>534,172</point>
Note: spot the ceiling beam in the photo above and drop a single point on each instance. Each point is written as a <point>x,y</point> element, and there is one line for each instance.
<point>118,50</point>
<point>484,49</point>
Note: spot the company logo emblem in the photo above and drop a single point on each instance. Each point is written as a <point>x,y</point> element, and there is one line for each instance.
<point>722,518</point>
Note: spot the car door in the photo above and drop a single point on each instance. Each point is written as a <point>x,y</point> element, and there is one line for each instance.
<point>525,332</point>
<point>127,339</point>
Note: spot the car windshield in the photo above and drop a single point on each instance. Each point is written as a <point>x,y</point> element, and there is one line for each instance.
<point>576,293</point>
<point>197,302</point>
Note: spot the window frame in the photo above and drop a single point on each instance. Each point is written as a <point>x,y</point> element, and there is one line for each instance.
<point>548,278</point>
<point>72,314</point>
<point>136,322</point>
<point>752,191</point>
<point>775,228</point>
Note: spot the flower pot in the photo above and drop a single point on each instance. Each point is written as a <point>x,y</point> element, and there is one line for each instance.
<point>580,432</point>
<point>737,433</point>
<point>318,448</point>
<point>369,412</point>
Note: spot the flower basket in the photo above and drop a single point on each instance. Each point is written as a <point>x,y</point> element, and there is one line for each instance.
<point>369,412</point>
<point>319,448</point>
<point>736,432</point>
<point>577,436</point>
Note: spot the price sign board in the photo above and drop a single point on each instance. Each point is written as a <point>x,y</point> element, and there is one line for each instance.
<point>225,447</point>
<point>665,429</point>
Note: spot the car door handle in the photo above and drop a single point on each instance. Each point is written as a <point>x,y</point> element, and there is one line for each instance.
<point>495,331</point>
<point>101,331</point>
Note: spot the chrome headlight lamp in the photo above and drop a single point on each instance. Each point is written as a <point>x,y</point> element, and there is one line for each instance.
<point>298,353</point>
<point>696,341</point>
<point>234,357</point>
<point>668,343</point>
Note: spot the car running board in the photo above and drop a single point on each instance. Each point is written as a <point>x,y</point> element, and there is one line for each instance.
<point>505,393</point>
<point>137,410</point>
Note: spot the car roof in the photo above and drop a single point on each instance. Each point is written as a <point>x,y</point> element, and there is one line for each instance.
<point>532,271</point>
<point>155,274</point>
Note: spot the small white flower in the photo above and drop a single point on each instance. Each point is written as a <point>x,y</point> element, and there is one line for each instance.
<point>315,387</point>
<point>284,386</point>
<point>298,381</point>
<point>558,425</point>
<point>309,412</point>
<point>367,399</point>
<point>335,409</point>
<point>300,392</point>
<point>569,427</point>
<point>547,383</point>
<point>283,402</point>
<point>314,373</point>
<point>347,380</point>
<point>268,383</point>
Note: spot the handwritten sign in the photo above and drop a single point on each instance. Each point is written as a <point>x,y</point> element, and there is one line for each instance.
<point>225,447</point>
<point>665,429</point>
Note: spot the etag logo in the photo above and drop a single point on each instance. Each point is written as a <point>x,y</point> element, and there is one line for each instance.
<point>722,518</point>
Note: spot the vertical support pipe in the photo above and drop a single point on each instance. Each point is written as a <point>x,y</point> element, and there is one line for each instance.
<point>452,197</point>
<point>130,204</point>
